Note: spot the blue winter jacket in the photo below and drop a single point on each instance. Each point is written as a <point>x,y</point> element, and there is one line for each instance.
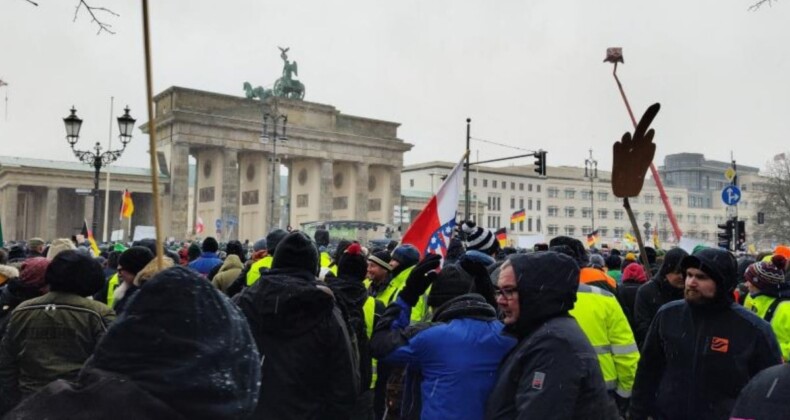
<point>205,263</point>
<point>458,356</point>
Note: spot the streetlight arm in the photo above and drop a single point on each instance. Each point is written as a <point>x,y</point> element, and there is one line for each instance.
<point>111,156</point>
<point>85,156</point>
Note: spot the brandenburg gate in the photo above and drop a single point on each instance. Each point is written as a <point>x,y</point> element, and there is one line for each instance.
<point>340,167</point>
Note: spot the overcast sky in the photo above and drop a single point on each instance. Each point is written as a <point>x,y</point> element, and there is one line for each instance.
<point>528,73</point>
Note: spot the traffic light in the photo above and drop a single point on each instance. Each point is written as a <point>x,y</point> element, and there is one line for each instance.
<point>725,237</point>
<point>741,235</point>
<point>540,162</point>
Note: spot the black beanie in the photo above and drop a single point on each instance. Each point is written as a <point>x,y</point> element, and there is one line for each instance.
<point>209,245</point>
<point>451,282</point>
<point>382,259</point>
<point>235,247</point>
<point>135,258</point>
<point>298,251</point>
<point>341,248</point>
<point>273,238</point>
<point>74,272</point>
<point>352,264</point>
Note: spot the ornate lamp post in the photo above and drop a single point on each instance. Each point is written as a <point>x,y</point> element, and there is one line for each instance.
<point>97,158</point>
<point>274,136</point>
<point>591,172</point>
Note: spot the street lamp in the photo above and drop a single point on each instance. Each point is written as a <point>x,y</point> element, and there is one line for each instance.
<point>274,137</point>
<point>96,158</point>
<point>591,172</point>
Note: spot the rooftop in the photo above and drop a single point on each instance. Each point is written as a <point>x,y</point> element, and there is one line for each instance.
<point>21,162</point>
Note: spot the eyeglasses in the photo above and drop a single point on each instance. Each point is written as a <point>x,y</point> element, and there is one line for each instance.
<point>507,293</point>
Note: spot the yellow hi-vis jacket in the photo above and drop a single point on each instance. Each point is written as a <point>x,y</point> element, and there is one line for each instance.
<point>255,269</point>
<point>420,311</point>
<point>113,283</point>
<point>780,322</point>
<point>602,319</point>
<point>369,309</point>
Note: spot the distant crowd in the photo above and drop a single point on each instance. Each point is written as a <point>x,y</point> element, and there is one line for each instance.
<point>297,327</point>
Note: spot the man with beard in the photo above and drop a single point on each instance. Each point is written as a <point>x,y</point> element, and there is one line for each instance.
<point>701,351</point>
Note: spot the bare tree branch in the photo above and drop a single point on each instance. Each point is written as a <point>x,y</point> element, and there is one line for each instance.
<point>761,3</point>
<point>103,26</point>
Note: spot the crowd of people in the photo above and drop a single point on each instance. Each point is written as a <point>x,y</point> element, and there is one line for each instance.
<point>296,327</point>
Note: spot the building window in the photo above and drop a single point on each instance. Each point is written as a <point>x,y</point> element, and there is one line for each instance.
<point>485,183</point>
<point>520,203</point>
<point>474,182</point>
<point>618,232</point>
<point>679,217</point>
<point>618,215</point>
<point>512,227</point>
<point>677,201</point>
<point>537,225</point>
<point>570,194</point>
<point>553,211</point>
<point>512,203</point>
<point>554,192</point>
<point>529,204</point>
<point>604,232</point>
<point>529,225</point>
<point>705,219</point>
<point>411,182</point>
<point>553,230</point>
<point>649,216</point>
<point>633,200</point>
<point>586,194</point>
<point>603,195</point>
<point>570,212</point>
<point>693,218</point>
<point>603,213</point>
<point>586,230</point>
<point>662,217</point>
<point>529,187</point>
<point>504,185</point>
<point>537,205</point>
<point>494,183</point>
<point>521,186</point>
<point>586,212</point>
<point>648,199</point>
<point>538,187</point>
<point>570,230</point>
<point>513,186</point>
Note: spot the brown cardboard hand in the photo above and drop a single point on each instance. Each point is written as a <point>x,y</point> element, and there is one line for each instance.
<point>633,155</point>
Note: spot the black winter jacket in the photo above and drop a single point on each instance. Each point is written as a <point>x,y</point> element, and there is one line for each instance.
<point>626,295</point>
<point>181,350</point>
<point>553,372</point>
<point>654,294</point>
<point>697,358</point>
<point>765,397</point>
<point>307,362</point>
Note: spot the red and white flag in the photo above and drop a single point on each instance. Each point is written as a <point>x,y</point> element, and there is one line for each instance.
<point>199,226</point>
<point>432,229</point>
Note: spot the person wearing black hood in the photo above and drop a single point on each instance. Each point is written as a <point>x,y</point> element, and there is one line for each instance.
<point>307,362</point>
<point>666,286</point>
<point>181,351</point>
<point>361,312</point>
<point>51,336</point>
<point>700,352</point>
<point>553,372</point>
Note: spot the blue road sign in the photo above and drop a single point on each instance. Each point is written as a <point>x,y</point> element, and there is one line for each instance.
<point>731,195</point>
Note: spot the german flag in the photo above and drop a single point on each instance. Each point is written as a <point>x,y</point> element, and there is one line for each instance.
<point>501,237</point>
<point>518,216</point>
<point>127,205</point>
<point>88,234</point>
<point>592,238</point>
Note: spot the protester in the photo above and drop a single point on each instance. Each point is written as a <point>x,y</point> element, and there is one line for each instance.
<point>181,351</point>
<point>378,273</point>
<point>633,278</point>
<point>700,352</point>
<point>765,396</point>
<point>208,258</point>
<point>593,275</point>
<point>272,240</point>
<point>666,286</point>
<point>361,312</point>
<point>613,264</point>
<point>479,239</point>
<point>51,336</point>
<point>233,247</point>
<point>228,272</point>
<point>553,372</point>
<point>307,365</point>
<point>59,245</point>
<point>7,272</point>
<point>130,263</point>
<point>35,247</point>
<point>768,298</point>
<point>457,353</point>
<point>27,285</point>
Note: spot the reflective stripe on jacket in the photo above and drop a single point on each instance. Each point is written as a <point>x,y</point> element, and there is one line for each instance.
<point>255,269</point>
<point>780,323</point>
<point>602,319</point>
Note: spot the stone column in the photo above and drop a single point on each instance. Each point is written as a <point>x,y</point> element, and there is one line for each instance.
<point>394,195</point>
<point>179,190</point>
<point>325,198</point>
<point>50,228</point>
<point>10,197</point>
<point>230,190</point>
<point>361,197</point>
